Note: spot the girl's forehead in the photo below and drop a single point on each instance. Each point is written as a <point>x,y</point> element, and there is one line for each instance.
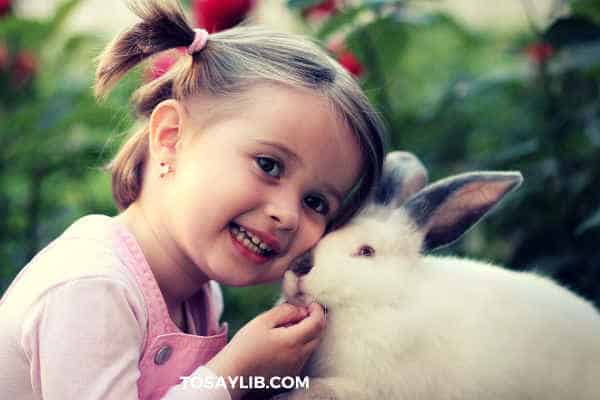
<point>276,109</point>
<point>204,109</point>
<point>297,109</point>
<point>260,98</point>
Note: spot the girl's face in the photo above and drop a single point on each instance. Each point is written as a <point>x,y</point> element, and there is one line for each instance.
<point>273,171</point>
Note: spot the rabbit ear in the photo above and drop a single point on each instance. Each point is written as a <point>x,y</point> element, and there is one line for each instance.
<point>403,175</point>
<point>448,208</point>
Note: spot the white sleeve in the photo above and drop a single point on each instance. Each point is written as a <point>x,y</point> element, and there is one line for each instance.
<point>83,341</point>
<point>217,294</point>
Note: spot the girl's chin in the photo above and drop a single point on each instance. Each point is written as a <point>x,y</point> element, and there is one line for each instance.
<point>241,275</point>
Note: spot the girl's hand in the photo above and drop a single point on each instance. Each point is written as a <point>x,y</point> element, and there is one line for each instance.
<point>269,346</point>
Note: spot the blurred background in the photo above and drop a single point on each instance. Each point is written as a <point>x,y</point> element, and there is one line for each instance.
<point>464,84</point>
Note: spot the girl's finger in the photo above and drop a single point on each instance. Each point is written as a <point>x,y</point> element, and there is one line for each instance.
<point>316,307</point>
<point>284,314</point>
<point>309,347</point>
<point>310,327</point>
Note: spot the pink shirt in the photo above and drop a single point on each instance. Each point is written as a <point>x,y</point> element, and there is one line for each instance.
<point>85,319</point>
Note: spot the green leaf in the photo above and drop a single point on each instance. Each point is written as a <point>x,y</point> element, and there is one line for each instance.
<point>339,20</point>
<point>23,33</point>
<point>61,14</point>
<point>302,4</point>
<point>348,14</point>
<point>384,39</point>
<point>441,19</point>
<point>33,34</point>
<point>590,8</point>
<point>592,221</point>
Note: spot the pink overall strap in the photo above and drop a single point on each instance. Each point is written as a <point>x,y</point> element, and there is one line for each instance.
<point>167,352</point>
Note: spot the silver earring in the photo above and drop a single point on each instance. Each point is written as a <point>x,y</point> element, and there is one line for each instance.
<point>165,168</point>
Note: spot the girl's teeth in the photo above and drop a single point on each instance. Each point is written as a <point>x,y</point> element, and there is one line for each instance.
<point>249,240</point>
<point>252,247</point>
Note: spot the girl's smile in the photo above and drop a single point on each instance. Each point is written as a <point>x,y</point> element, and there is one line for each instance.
<point>257,247</point>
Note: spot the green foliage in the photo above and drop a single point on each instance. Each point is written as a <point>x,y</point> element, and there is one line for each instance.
<point>301,3</point>
<point>245,303</point>
<point>590,8</point>
<point>53,135</point>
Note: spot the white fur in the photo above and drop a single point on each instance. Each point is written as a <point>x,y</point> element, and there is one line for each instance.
<point>406,326</point>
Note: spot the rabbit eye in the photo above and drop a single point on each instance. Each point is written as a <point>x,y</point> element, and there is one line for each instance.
<point>365,251</point>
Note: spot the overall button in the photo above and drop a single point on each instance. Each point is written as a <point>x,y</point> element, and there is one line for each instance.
<point>162,355</point>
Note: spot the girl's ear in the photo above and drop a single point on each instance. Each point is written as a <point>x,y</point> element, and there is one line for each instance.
<point>165,129</point>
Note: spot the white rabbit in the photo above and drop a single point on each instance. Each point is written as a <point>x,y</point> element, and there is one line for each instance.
<point>403,325</point>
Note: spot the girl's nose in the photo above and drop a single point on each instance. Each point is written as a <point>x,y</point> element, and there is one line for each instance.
<point>285,216</point>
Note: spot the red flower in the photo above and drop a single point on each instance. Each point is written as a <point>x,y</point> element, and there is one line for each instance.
<point>24,67</point>
<point>217,15</point>
<point>3,56</point>
<point>351,63</point>
<point>5,6</point>
<point>346,58</point>
<point>539,53</point>
<point>162,62</point>
<point>321,10</point>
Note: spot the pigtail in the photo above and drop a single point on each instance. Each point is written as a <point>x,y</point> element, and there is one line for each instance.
<point>127,168</point>
<point>163,27</point>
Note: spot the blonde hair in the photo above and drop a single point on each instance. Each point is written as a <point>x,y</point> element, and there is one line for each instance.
<point>232,62</point>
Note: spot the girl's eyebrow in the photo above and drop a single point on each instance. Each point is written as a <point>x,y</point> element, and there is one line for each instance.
<point>295,158</point>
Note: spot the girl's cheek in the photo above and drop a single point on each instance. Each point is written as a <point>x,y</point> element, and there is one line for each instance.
<point>314,234</point>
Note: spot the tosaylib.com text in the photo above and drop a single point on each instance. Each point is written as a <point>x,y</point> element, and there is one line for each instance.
<point>245,382</point>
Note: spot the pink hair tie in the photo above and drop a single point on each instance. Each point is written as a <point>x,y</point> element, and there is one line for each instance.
<point>199,42</point>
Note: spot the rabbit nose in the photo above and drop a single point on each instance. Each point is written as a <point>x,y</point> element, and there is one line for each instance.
<point>303,264</point>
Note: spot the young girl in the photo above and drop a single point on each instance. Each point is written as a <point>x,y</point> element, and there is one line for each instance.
<point>251,147</point>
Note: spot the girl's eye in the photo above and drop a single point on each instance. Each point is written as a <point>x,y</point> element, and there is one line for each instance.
<point>318,204</point>
<point>365,251</point>
<point>270,166</point>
